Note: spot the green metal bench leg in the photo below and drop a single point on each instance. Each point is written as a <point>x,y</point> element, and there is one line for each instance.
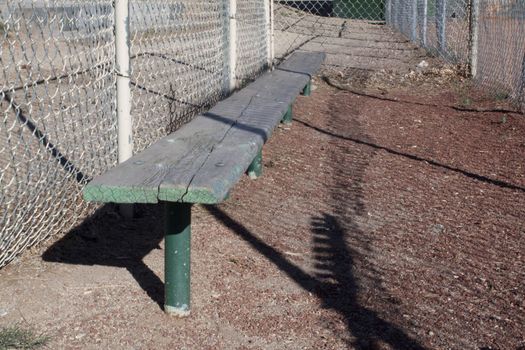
<point>177,258</point>
<point>287,118</point>
<point>307,91</point>
<point>255,169</point>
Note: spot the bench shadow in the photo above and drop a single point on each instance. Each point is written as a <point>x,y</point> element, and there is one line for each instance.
<point>106,239</point>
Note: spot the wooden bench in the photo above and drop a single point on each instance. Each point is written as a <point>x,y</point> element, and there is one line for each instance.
<point>203,160</point>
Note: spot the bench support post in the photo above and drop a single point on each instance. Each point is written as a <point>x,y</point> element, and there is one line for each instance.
<point>288,116</point>
<point>177,258</point>
<point>255,168</point>
<point>307,91</point>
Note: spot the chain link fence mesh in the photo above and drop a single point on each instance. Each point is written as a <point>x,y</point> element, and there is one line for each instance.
<point>485,37</point>
<point>501,48</point>
<point>320,25</point>
<point>58,95</point>
<point>441,26</point>
<point>179,63</point>
<point>57,114</point>
<point>252,41</point>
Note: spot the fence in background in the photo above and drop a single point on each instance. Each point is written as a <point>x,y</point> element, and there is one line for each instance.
<point>58,97</point>
<point>321,24</point>
<point>487,36</point>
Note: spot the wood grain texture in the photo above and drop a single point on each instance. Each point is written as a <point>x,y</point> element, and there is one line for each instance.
<point>202,161</point>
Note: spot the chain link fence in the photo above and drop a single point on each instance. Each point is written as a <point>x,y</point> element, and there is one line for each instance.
<point>56,112</point>
<point>178,52</point>
<point>485,37</point>
<point>58,98</point>
<point>499,58</point>
<point>440,26</point>
<point>322,25</point>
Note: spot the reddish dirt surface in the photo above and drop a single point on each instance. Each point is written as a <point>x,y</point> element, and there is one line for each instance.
<point>376,225</point>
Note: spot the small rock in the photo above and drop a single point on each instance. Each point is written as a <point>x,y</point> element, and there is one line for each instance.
<point>423,64</point>
<point>438,229</point>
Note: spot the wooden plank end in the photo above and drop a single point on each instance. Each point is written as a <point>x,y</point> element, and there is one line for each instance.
<point>115,194</point>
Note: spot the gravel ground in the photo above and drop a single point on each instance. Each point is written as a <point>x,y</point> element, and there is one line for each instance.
<point>388,221</point>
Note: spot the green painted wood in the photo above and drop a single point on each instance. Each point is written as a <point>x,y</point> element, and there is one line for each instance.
<point>306,63</point>
<point>202,161</point>
<point>231,158</point>
<point>288,116</point>
<point>256,167</point>
<point>307,91</point>
<point>181,153</point>
<point>177,252</point>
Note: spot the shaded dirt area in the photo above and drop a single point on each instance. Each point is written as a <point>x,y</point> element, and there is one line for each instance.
<point>377,224</point>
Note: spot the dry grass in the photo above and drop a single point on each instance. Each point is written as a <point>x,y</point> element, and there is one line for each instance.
<point>16,337</point>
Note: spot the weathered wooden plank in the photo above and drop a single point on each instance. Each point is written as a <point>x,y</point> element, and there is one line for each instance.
<point>200,162</point>
<point>303,62</point>
<point>231,157</point>
<point>138,179</point>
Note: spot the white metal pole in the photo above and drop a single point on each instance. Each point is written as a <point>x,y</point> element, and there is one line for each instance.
<point>388,14</point>
<point>441,23</point>
<point>474,37</point>
<point>413,25</point>
<point>233,44</point>
<point>122,64</point>
<point>424,27</point>
<point>122,51</point>
<point>272,31</point>
<point>266,4</point>
<point>522,85</point>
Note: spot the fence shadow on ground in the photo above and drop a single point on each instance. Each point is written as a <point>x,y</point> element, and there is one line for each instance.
<point>341,294</point>
<point>106,239</point>
<point>340,247</point>
<point>478,177</point>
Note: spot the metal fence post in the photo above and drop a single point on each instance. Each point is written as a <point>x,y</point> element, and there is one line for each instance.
<point>272,33</point>
<point>123,72</point>
<point>441,17</point>
<point>388,12</point>
<point>413,25</point>
<point>232,13</point>
<point>424,24</point>
<point>394,10</point>
<point>404,17</point>
<point>267,21</point>
<point>521,89</point>
<point>474,37</point>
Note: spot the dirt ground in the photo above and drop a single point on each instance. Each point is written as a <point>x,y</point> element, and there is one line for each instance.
<point>385,219</point>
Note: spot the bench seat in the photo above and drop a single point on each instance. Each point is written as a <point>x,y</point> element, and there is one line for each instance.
<point>200,162</point>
